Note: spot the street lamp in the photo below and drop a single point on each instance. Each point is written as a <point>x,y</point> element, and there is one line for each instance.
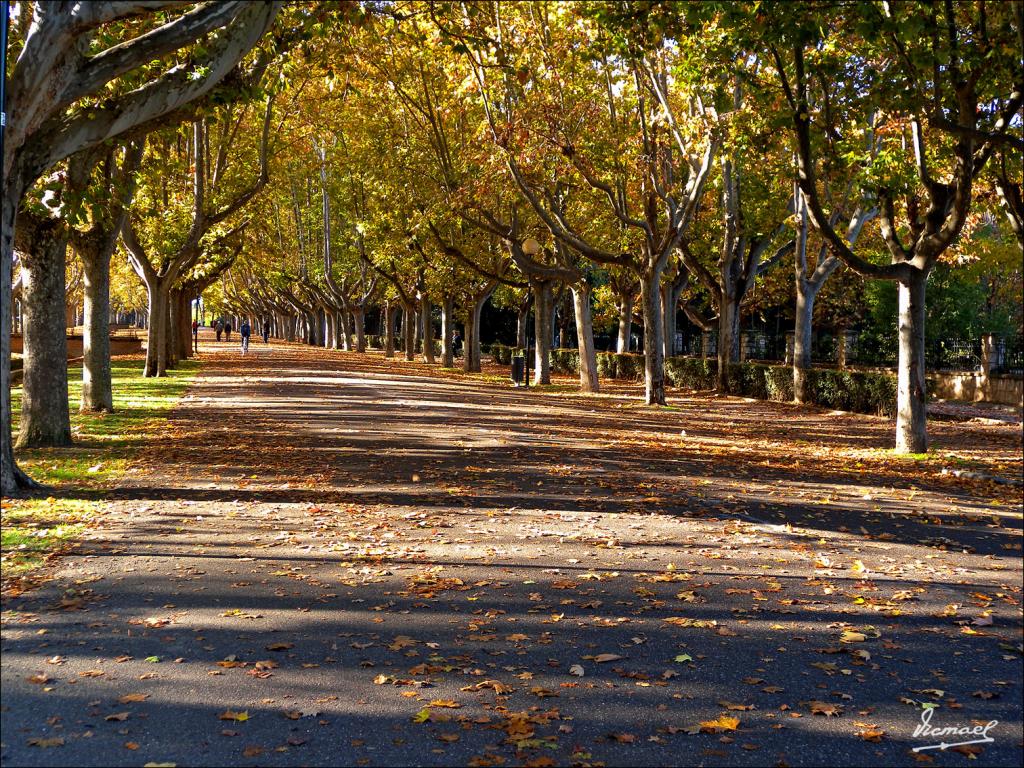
<point>531,246</point>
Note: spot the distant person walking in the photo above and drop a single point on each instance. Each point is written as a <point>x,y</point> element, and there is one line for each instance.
<point>220,329</point>
<point>266,331</point>
<point>195,335</point>
<point>227,330</point>
<point>246,331</point>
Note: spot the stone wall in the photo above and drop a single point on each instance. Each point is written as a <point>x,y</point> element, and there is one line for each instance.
<point>118,346</point>
<point>977,387</point>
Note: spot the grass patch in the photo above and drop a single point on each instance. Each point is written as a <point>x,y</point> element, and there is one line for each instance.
<point>35,528</point>
<point>555,388</point>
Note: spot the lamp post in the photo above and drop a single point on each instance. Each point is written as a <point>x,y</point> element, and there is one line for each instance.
<point>531,247</point>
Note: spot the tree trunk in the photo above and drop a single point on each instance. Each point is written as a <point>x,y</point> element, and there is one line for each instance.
<point>911,400</point>
<point>409,330</point>
<point>728,336</point>
<point>585,337</point>
<point>428,330</point>
<point>389,329</point>
<point>173,324</point>
<point>670,309</point>
<point>471,360</point>
<point>806,292</point>
<point>447,332</point>
<point>312,335</point>
<point>12,479</point>
<point>331,338</point>
<point>183,325</point>
<point>625,307</point>
<point>97,391</point>
<point>522,315</point>
<point>45,420</point>
<point>359,324</point>
<point>542,328</point>
<point>654,345</point>
<point>563,321</point>
<point>345,320</point>
<point>156,345</point>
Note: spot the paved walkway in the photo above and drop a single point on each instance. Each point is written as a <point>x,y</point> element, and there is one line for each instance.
<point>343,560</point>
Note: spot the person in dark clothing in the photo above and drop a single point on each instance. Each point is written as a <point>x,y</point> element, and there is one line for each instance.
<point>246,331</point>
<point>227,331</point>
<point>266,331</point>
<point>220,329</point>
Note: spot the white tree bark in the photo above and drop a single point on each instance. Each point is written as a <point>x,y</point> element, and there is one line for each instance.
<point>585,337</point>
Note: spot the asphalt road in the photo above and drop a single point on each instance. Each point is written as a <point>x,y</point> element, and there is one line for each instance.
<point>350,562</point>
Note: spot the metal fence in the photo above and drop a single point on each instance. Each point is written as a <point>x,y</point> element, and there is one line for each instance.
<point>953,354</point>
<point>1012,362</point>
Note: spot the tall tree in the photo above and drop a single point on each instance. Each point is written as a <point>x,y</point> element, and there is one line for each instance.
<point>68,57</point>
<point>949,89</point>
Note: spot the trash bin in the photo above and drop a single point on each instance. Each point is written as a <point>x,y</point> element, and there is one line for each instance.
<point>518,370</point>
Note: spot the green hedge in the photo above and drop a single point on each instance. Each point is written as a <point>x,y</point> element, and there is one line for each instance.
<point>629,366</point>
<point>502,354</point>
<point>690,372</point>
<point>565,360</point>
<point>859,391</point>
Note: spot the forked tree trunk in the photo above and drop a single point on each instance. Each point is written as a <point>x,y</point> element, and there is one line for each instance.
<point>654,359</point>
<point>447,332</point>
<point>911,399</point>
<point>45,420</point>
<point>585,337</point>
